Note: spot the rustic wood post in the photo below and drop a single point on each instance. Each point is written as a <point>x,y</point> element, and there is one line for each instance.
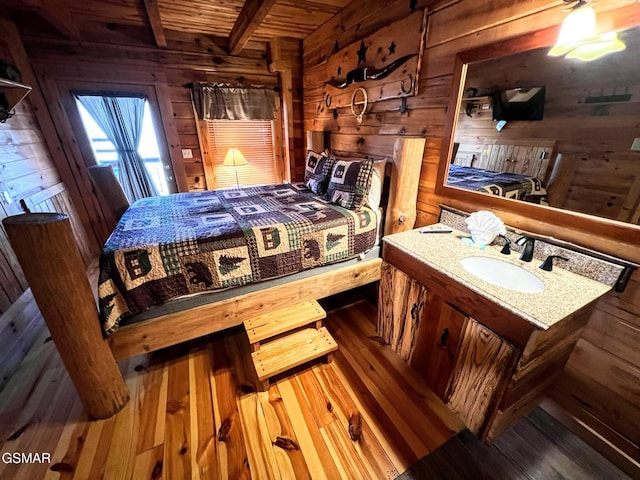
<point>47,251</point>
<point>403,191</point>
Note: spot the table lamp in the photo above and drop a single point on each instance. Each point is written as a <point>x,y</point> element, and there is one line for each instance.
<point>234,158</point>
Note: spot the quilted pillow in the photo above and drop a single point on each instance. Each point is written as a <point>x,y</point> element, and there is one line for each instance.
<point>316,172</point>
<point>349,183</point>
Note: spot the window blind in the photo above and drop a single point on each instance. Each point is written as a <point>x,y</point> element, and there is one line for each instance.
<point>254,139</point>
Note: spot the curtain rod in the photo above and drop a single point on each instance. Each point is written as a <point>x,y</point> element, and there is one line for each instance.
<point>275,89</point>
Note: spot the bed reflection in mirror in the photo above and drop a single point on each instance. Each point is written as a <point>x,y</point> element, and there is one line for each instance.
<point>553,131</point>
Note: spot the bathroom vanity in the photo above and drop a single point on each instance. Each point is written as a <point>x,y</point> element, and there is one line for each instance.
<point>489,352</point>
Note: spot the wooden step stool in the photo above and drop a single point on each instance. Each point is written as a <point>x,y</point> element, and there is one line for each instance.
<point>272,356</point>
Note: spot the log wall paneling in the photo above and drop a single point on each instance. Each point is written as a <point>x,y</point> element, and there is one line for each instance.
<point>599,386</point>
<point>27,170</point>
<point>169,70</point>
<point>27,174</point>
<point>53,165</point>
<point>456,26</point>
<point>286,113</point>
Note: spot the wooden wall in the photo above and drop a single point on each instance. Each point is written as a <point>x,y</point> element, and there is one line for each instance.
<point>185,61</point>
<point>27,173</point>
<point>19,137</point>
<point>455,26</point>
<point>28,180</point>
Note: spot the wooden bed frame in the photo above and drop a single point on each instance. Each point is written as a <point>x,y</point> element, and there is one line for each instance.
<point>43,244</point>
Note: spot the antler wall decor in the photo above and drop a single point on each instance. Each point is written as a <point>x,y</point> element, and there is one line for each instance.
<point>385,64</point>
<point>362,74</point>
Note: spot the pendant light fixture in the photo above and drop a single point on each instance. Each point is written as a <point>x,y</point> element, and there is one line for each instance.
<point>578,37</point>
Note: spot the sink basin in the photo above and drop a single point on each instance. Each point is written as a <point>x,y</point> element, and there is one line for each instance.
<point>503,274</point>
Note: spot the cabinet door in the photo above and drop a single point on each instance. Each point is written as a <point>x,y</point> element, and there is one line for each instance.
<point>401,301</point>
<point>482,368</point>
<point>437,343</point>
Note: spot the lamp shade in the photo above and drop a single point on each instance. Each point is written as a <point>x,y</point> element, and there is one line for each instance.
<point>606,43</point>
<point>234,158</point>
<point>578,38</point>
<point>577,28</point>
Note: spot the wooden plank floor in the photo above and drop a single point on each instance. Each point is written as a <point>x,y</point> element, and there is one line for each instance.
<point>194,413</point>
<point>538,447</point>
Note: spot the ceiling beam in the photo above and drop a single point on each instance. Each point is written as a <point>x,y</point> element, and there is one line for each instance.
<point>199,42</point>
<point>251,16</point>
<point>56,14</point>
<point>153,12</point>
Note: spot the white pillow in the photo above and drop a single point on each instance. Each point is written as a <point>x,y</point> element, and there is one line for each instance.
<point>377,183</point>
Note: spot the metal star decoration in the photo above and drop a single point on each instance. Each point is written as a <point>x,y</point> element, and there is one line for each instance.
<point>362,53</point>
<point>392,48</point>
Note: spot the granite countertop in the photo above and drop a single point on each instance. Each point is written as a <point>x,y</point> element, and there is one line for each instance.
<point>564,292</point>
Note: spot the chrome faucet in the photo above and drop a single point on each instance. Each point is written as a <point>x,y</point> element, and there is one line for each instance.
<point>527,251</point>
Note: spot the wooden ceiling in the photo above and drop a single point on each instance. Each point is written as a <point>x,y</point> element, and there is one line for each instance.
<point>232,22</point>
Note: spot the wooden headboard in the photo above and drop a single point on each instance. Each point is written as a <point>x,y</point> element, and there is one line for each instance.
<point>404,160</point>
<point>534,158</point>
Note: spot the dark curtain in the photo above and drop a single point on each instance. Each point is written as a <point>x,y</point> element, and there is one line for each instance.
<point>215,101</point>
<point>121,120</point>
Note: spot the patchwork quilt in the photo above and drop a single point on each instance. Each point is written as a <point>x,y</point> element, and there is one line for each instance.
<point>509,185</point>
<point>169,246</point>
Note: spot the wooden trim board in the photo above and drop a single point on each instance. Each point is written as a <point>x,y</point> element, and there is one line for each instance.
<point>167,330</point>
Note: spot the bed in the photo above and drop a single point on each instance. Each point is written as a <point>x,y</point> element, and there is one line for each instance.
<point>170,246</point>
<point>503,184</point>
<point>54,269</point>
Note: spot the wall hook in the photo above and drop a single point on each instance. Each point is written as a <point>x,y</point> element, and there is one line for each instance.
<point>410,89</point>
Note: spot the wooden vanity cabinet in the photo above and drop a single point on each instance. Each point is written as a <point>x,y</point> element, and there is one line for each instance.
<point>462,361</point>
<point>488,365</point>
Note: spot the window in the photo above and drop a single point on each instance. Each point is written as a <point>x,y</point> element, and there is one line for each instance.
<point>254,139</point>
<point>105,152</point>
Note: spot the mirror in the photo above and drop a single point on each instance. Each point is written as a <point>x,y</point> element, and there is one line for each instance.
<point>559,131</point>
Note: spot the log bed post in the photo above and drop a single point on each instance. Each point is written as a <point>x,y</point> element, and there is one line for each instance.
<point>47,251</point>
<point>406,163</point>
<point>403,191</point>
